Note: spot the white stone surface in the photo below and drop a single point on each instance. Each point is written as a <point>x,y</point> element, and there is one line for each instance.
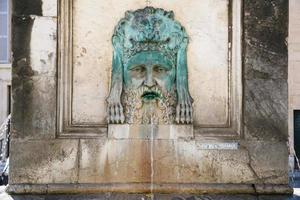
<point>43,46</point>
<point>49,7</point>
<point>5,81</point>
<point>172,132</point>
<point>294,65</point>
<point>174,161</point>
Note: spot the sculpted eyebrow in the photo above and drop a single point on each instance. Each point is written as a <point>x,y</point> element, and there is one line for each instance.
<point>164,65</point>
<point>135,66</point>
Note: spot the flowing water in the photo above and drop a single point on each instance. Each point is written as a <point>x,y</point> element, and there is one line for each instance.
<point>152,157</point>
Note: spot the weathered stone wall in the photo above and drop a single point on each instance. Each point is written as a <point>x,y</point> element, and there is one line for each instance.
<point>265,85</point>
<point>40,162</point>
<point>265,70</point>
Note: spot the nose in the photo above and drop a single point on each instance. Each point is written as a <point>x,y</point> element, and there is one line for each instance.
<point>149,81</point>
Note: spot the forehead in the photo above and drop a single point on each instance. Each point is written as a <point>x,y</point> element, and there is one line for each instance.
<point>149,58</point>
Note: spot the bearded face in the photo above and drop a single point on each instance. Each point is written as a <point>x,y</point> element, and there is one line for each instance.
<point>149,95</point>
<point>149,70</point>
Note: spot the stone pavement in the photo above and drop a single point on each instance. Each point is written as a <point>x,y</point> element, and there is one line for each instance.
<point>295,183</point>
<point>108,196</point>
<point>144,197</point>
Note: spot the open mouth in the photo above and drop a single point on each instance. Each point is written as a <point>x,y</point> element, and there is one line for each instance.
<point>150,95</point>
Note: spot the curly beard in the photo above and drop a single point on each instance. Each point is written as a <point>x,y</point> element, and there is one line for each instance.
<point>149,106</point>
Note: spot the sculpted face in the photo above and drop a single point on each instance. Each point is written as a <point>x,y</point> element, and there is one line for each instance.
<point>149,69</point>
<point>149,81</point>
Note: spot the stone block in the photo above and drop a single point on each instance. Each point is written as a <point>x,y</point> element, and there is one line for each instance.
<point>99,197</point>
<point>21,35</point>
<point>160,161</point>
<point>173,131</point>
<point>43,46</point>
<point>182,162</point>
<point>294,8</point>
<point>294,73</point>
<point>266,110</point>
<point>111,161</point>
<point>269,161</point>
<point>124,196</point>
<point>265,88</point>
<point>186,162</point>
<point>43,161</point>
<point>294,55</point>
<point>34,46</point>
<point>49,7</point>
<point>294,88</point>
<point>273,189</point>
<point>34,108</point>
<point>294,31</point>
<point>295,102</point>
<point>34,77</point>
<point>264,23</point>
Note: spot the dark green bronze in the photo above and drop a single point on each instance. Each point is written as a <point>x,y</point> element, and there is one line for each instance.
<point>149,70</point>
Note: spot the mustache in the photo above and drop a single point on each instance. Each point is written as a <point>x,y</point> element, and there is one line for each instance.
<point>154,92</point>
<point>145,91</point>
<point>151,93</point>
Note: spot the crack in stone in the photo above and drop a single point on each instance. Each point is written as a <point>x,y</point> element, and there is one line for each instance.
<point>252,169</point>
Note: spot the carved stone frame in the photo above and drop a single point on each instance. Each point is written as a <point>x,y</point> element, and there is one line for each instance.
<point>65,129</point>
<point>233,128</point>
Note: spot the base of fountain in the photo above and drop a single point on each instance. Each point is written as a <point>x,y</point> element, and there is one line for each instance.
<point>140,131</point>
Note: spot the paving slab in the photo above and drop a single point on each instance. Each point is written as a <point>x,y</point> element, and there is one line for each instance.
<point>5,196</point>
<point>123,196</point>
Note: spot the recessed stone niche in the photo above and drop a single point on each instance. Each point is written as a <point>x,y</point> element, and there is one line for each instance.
<point>213,55</point>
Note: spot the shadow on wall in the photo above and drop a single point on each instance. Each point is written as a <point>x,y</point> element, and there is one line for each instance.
<point>27,7</point>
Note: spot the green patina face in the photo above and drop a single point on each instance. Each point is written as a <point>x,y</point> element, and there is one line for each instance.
<point>150,69</point>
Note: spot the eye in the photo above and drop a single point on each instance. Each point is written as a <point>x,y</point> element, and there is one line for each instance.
<point>138,69</point>
<point>160,69</point>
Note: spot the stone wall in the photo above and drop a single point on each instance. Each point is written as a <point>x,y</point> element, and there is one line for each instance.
<point>5,82</point>
<point>42,162</point>
<point>294,63</point>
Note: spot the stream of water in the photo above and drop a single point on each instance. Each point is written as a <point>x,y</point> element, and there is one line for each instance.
<point>152,158</point>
